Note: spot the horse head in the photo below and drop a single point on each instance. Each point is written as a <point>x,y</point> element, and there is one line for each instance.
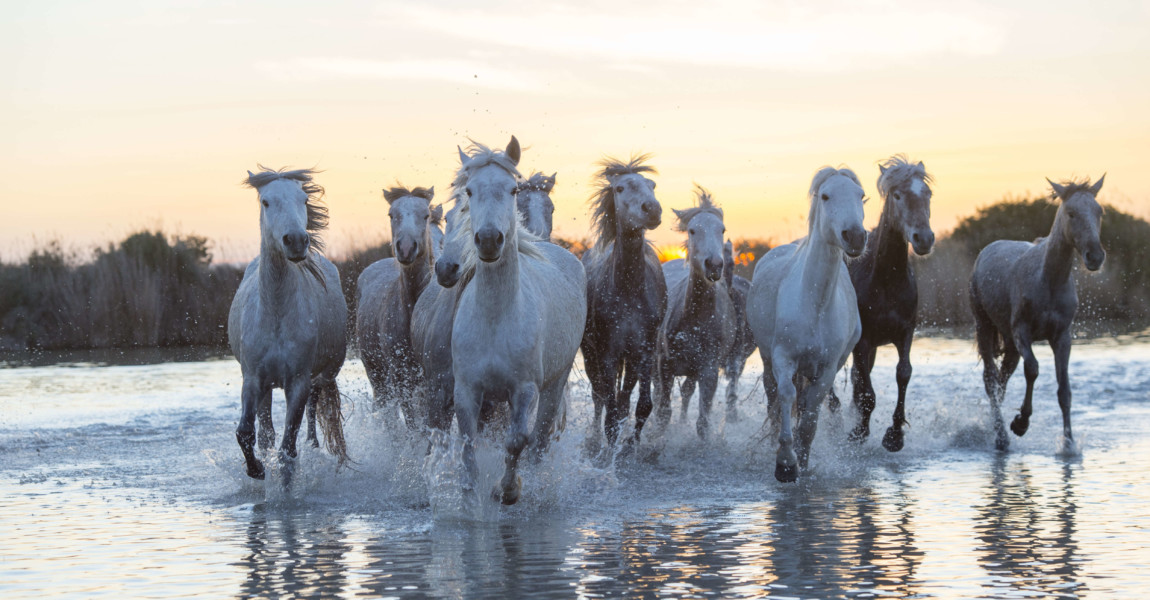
<point>448,263</point>
<point>1081,218</point>
<point>283,216</point>
<point>704,226</point>
<point>410,214</point>
<point>635,205</point>
<point>533,198</point>
<point>490,191</point>
<point>905,187</point>
<point>837,209</point>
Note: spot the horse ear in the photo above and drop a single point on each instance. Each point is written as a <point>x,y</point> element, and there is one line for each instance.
<point>881,170</point>
<point>1058,189</point>
<point>437,213</point>
<point>1094,189</point>
<point>513,151</point>
<point>462,156</point>
<point>250,175</point>
<point>679,214</point>
<point>921,167</point>
<point>430,194</point>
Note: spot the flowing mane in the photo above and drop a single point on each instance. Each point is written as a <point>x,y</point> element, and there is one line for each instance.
<point>1071,187</point>
<point>396,192</point>
<point>537,182</point>
<point>821,177</point>
<point>897,170</point>
<point>436,217</point>
<point>316,212</point>
<point>705,204</point>
<point>603,200</point>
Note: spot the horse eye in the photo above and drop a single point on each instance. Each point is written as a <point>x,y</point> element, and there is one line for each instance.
<point>468,193</point>
<point>690,232</point>
<point>826,197</point>
<point>265,203</point>
<point>618,189</point>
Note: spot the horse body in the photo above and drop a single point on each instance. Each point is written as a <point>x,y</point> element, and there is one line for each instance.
<point>1022,292</point>
<point>626,296</point>
<point>518,321</point>
<point>286,325</point>
<point>387,292</point>
<point>887,293</point>
<point>699,325</point>
<point>803,311</point>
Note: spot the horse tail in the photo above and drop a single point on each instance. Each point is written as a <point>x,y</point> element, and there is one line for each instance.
<point>331,420</point>
<point>989,339</point>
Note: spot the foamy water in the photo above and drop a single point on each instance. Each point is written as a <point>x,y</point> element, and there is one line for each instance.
<point>127,481</point>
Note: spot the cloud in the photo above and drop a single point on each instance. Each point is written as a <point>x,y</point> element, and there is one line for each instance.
<point>728,33</point>
<point>456,71</point>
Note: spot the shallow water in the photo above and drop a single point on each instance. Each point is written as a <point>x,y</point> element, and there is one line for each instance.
<point>127,481</point>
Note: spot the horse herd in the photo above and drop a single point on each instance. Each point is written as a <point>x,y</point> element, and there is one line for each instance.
<point>481,320</point>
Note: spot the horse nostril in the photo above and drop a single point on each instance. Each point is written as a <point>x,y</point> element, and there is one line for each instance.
<point>499,239</point>
<point>916,239</point>
<point>287,239</point>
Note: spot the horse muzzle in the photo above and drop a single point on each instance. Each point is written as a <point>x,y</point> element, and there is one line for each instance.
<point>854,241</point>
<point>446,272</point>
<point>295,246</point>
<point>713,269</point>
<point>922,243</point>
<point>489,244</point>
<point>1094,259</point>
<point>406,253</point>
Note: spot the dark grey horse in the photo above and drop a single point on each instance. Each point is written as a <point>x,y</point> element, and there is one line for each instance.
<point>699,326</point>
<point>533,199</point>
<point>386,293</point>
<point>887,294</point>
<point>1023,292</point>
<point>626,294</point>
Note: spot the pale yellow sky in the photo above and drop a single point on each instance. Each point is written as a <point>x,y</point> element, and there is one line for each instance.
<point>120,115</point>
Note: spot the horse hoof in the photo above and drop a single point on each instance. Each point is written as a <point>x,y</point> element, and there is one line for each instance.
<point>786,473</point>
<point>256,471</point>
<point>893,439</point>
<point>701,429</point>
<point>511,496</point>
<point>859,434</point>
<point>1001,443</point>
<point>1019,425</point>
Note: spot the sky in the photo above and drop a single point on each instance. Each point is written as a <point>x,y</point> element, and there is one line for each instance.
<point>118,116</point>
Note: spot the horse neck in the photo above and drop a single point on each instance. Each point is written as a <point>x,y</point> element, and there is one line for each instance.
<point>821,262</point>
<point>701,294</point>
<point>278,280</point>
<point>1058,258</point>
<point>629,260</point>
<point>415,277</point>
<point>890,255</point>
<point>497,284</point>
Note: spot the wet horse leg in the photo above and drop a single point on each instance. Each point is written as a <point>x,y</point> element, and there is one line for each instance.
<point>522,401</point>
<point>313,398</point>
<point>1022,342</point>
<point>808,400</point>
<point>297,391</point>
<point>619,402</point>
<point>1061,347</point>
<point>686,390</point>
<point>708,383</point>
<point>467,400</point>
<point>252,395</point>
<point>550,407</point>
<point>863,391</point>
<point>734,370</point>
<point>786,462</point>
<point>893,439</point>
<point>267,429</point>
<point>645,404</point>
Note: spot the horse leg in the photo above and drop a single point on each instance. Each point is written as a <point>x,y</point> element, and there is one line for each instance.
<point>522,401</point>
<point>602,390</point>
<point>311,402</point>
<point>251,396</point>
<point>297,391</point>
<point>786,462</point>
<point>686,390</point>
<point>708,383</point>
<point>440,402</point>
<point>893,439</point>
<point>1061,347</point>
<point>619,402</point>
<point>1022,342</point>
<point>733,371</point>
<point>467,400</point>
<point>645,404</point>
<point>863,391</point>
<point>267,429</point>
<point>808,401</point>
<point>550,406</point>
<point>771,391</point>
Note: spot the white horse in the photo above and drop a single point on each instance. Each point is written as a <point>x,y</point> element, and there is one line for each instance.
<point>803,311</point>
<point>387,291</point>
<point>288,318</point>
<point>519,321</point>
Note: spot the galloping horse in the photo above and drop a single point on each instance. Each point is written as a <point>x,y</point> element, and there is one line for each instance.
<point>518,321</point>
<point>626,294</point>
<point>287,320</point>
<point>1023,292</point>
<point>743,345</point>
<point>803,311</point>
<point>699,327</point>
<point>887,293</point>
<point>386,294</point>
<point>533,197</point>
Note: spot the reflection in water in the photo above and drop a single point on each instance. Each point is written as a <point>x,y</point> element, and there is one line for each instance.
<point>282,560</point>
<point>1028,531</point>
